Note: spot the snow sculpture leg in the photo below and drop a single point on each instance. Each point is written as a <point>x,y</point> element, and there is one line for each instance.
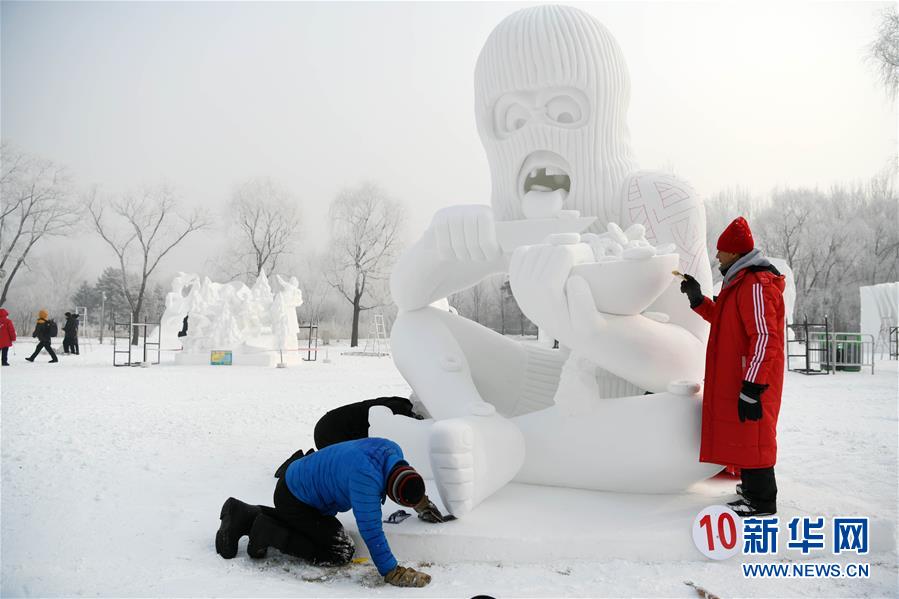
<point>641,444</point>
<point>473,450</point>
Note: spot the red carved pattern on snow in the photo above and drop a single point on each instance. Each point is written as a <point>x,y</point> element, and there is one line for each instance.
<point>685,236</point>
<point>683,222</point>
<point>633,191</point>
<point>670,192</point>
<point>638,214</point>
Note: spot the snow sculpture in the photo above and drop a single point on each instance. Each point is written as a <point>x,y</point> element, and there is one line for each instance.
<point>551,93</point>
<point>251,322</point>
<point>284,315</point>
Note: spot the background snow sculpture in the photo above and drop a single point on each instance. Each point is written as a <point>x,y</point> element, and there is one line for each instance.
<point>251,322</point>
<point>879,305</point>
<point>283,315</point>
<point>551,94</point>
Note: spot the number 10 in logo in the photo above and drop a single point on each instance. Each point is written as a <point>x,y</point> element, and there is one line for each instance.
<point>716,532</point>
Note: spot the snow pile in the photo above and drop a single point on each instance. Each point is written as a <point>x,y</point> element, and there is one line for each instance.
<point>231,316</point>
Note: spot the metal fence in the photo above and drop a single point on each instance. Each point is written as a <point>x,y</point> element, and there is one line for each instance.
<point>822,351</point>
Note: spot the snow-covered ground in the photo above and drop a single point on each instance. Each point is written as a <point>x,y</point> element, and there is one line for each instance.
<point>112,480</point>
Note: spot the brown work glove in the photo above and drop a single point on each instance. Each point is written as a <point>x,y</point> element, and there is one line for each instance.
<point>427,511</point>
<point>407,577</point>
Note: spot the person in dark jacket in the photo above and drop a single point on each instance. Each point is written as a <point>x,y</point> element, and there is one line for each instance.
<point>43,332</point>
<point>354,475</point>
<point>7,335</point>
<point>70,340</point>
<point>350,422</point>
<point>183,331</point>
<point>744,368</point>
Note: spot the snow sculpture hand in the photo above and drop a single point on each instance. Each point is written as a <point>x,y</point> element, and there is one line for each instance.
<point>465,233</point>
<point>555,301</point>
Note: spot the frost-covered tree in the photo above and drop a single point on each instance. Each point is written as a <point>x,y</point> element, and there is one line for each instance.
<point>141,230</point>
<point>266,218</point>
<point>365,241</point>
<point>36,203</point>
<point>883,52</point>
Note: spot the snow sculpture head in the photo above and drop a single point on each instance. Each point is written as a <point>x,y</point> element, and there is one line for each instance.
<point>551,92</point>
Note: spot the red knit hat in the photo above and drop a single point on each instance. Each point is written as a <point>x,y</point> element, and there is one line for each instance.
<point>737,237</point>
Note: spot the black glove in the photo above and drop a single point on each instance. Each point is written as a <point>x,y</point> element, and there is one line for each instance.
<point>749,406</point>
<point>428,512</point>
<point>691,287</point>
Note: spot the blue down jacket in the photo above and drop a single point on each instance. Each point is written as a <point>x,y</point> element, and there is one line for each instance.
<point>350,475</point>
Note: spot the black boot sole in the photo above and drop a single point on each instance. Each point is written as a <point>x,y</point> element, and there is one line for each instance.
<point>225,545</point>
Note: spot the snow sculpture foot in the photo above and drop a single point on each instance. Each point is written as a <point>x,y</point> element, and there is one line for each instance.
<point>473,457</point>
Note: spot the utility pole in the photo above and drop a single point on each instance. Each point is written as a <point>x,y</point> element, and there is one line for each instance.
<point>102,314</point>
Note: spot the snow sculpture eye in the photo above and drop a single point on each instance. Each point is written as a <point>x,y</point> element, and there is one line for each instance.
<point>511,113</point>
<point>564,110</point>
<point>516,117</point>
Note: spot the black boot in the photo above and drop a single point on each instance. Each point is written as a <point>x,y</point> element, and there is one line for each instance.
<point>237,519</point>
<point>31,359</point>
<point>266,532</point>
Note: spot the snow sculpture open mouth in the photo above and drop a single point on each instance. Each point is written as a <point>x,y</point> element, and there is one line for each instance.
<point>544,184</point>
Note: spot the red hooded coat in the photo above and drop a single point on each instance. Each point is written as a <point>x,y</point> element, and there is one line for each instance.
<point>746,342</point>
<point>7,330</point>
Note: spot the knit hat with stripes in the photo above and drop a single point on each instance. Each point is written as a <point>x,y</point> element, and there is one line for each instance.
<point>405,486</point>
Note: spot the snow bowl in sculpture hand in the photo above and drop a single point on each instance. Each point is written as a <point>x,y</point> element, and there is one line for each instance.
<point>627,287</point>
<point>511,234</point>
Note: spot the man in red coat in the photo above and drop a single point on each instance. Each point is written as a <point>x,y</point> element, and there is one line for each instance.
<point>744,367</point>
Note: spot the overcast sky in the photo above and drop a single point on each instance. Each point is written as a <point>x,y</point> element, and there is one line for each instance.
<point>322,95</point>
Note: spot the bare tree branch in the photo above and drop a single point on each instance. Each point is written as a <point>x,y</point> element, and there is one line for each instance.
<point>152,228</point>
<point>37,203</point>
<point>267,219</point>
<point>883,52</point>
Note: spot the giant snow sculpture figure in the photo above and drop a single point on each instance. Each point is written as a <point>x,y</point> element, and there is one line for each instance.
<point>551,94</point>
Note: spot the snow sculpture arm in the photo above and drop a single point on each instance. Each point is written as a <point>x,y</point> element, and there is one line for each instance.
<point>458,250</point>
<point>622,345</point>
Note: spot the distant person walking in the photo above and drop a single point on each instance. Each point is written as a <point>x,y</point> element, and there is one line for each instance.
<point>44,330</point>
<point>70,340</point>
<point>744,367</point>
<point>7,334</point>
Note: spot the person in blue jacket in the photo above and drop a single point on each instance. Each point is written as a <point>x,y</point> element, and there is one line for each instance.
<point>353,475</point>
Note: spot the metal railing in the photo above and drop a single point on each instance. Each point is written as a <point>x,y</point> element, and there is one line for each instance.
<point>813,347</point>
<point>142,350</point>
<point>823,351</point>
<point>850,352</point>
